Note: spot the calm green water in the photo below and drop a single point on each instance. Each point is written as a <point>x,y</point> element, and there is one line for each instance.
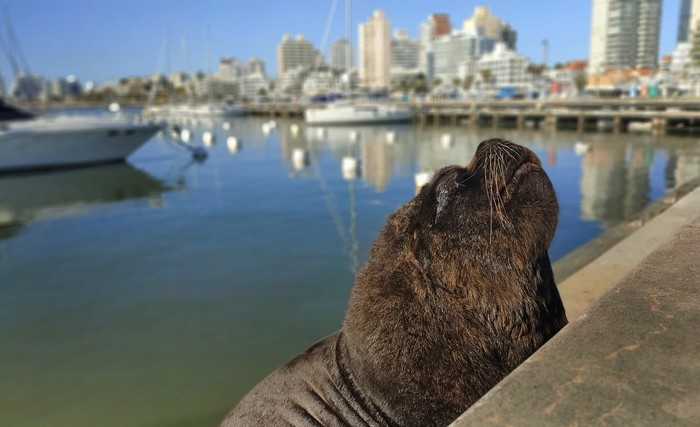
<point>156,293</point>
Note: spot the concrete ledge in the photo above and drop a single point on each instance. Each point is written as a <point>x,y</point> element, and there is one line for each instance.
<point>629,359</point>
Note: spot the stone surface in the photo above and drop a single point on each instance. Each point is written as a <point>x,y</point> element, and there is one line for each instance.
<point>631,359</point>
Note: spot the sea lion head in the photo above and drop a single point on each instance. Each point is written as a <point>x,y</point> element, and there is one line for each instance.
<point>500,210</point>
<point>458,289</point>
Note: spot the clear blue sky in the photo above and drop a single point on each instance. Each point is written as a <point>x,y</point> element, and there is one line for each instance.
<point>104,40</point>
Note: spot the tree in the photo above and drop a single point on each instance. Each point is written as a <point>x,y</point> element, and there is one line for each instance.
<point>456,82</point>
<point>467,83</point>
<point>486,75</point>
<point>581,80</point>
<point>437,81</point>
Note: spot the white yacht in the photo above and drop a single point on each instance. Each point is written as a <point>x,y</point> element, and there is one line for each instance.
<point>30,142</point>
<point>349,113</point>
<point>188,111</point>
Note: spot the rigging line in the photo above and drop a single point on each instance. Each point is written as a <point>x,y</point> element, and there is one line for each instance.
<point>12,39</point>
<point>329,199</point>
<point>326,33</point>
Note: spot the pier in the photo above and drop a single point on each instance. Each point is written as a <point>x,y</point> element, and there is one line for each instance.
<point>657,116</point>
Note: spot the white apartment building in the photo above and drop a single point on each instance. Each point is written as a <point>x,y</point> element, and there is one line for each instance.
<point>484,24</point>
<point>624,34</point>
<point>456,55</point>
<point>231,68</point>
<point>297,52</point>
<point>321,82</point>
<point>405,51</point>
<point>507,67</point>
<point>341,55</point>
<point>375,45</point>
<point>252,84</point>
<point>437,25</point>
<point>256,66</point>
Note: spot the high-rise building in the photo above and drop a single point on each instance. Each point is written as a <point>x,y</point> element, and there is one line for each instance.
<point>624,34</point>
<point>256,66</point>
<point>483,23</point>
<point>230,68</point>
<point>437,25</point>
<point>297,52</point>
<point>375,37</point>
<point>405,51</point>
<point>684,21</point>
<point>341,54</point>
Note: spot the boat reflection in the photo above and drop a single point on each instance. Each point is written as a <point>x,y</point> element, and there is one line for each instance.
<point>28,197</point>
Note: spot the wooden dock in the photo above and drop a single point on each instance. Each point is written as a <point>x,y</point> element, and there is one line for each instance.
<point>618,115</point>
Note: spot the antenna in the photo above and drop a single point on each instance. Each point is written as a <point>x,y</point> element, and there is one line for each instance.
<point>545,51</point>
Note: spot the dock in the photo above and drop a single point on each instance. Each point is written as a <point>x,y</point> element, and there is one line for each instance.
<point>657,116</point>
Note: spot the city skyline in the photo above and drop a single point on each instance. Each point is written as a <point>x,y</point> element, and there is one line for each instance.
<point>108,40</point>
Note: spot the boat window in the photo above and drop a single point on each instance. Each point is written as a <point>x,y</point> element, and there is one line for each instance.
<point>113,133</point>
<point>129,132</point>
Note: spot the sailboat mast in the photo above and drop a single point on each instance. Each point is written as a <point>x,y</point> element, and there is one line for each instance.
<point>348,49</point>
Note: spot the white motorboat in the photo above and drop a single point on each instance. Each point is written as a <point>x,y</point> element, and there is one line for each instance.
<point>28,142</point>
<point>187,111</point>
<point>348,113</point>
<point>354,113</point>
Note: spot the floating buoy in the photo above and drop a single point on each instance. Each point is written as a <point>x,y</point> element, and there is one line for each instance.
<point>233,144</point>
<point>300,158</point>
<point>391,137</point>
<point>273,124</point>
<point>294,129</point>
<point>185,135</point>
<point>581,148</point>
<point>208,139</point>
<point>226,125</point>
<point>265,129</point>
<point>114,107</point>
<point>422,178</point>
<point>354,136</point>
<point>446,140</point>
<point>320,132</point>
<point>350,167</point>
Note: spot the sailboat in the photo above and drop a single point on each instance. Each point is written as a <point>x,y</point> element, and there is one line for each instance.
<point>349,112</point>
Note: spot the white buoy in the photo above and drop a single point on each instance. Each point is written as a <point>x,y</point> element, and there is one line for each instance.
<point>185,135</point>
<point>446,140</point>
<point>208,139</point>
<point>350,167</point>
<point>233,144</point>
<point>354,135</point>
<point>114,107</point>
<point>320,132</point>
<point>273,124</point>
<point>294,129</point>
<point>266,129</point>
<point>300,158</point>
<point>422,178</point>
<point>391,137</point>
<point>226,125</point>
<point>581,148</point>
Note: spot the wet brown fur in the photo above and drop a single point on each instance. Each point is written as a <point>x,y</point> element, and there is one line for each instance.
<point>457,292</point>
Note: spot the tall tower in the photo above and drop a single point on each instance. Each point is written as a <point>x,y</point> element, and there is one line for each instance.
<point>375,42</point>
<point>684,21</point>
<point>624,34</point>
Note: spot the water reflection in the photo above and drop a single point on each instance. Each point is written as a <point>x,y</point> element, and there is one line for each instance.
<point>30,196</point>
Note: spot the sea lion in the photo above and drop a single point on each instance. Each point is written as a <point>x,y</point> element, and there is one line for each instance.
<point>457,292</point>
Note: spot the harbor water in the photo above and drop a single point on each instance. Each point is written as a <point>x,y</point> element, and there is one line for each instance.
<point>157,292</point>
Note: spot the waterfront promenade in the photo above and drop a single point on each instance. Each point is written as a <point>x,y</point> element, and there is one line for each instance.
<point>657,115</point>
<point>629,354</point>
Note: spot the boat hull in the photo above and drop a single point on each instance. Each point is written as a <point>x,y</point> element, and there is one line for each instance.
<point>357,115</point>
<point>46,144</point>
